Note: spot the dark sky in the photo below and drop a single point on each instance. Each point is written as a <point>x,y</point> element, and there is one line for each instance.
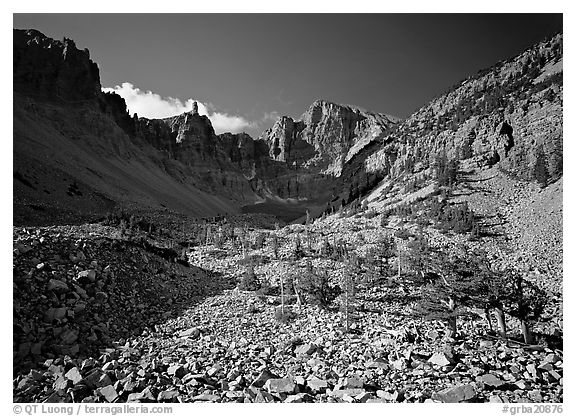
<point>250,64</point>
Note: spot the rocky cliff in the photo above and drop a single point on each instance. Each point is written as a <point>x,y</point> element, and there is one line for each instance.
<point>45,67</point>
<point>326,137</point>
<point>510,115</point>
<point>78,153</point>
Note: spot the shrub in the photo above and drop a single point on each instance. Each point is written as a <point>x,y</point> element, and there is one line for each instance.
<point>248,281</point>
<point>403,234</point>
<point>370,214</point>
<point>298,252</point>
<point>326,249</point>
<point>446,171</point>
<point>274,244</point>
<point>283,314</point>
<point>315,288</point>
<point>259,241</point>
<point>252,308</point>
<point>384,218</point>
<point>129,223</point>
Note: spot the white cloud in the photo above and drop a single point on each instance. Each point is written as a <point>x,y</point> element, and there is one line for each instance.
<point>151,105</point>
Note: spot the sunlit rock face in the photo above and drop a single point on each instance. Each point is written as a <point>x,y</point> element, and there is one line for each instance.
<point>326,136</point>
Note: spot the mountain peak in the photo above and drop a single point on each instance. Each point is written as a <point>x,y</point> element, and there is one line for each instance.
<point>53,69</point>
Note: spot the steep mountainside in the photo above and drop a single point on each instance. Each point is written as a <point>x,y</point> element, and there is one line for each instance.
<point>501,131</point>
<point>66,128</point>
<point>509,114</point>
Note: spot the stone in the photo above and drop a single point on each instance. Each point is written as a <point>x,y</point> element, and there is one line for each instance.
<point>299,380</point>
<point>56,285</point>
<point>97,378</point>
<point>69,336</point>
<point>495,399</point>
<point>206,398</point>
<point>81,292</point>
<point>364,397</point>
<point>57,397</point>
<point>87,363</point>
<point>552,358</point>
<point>317,385</point>
<point>134,397</point>
<point>280,385</point>
<point>531,368</point>
<point>491,380</point>
<point>263,397</point>
<point>130,385</point>
<point>61,383</point>
<point>440,359</point>
<point>55,314</point>
<point>87,276</point>
<point>390,397</point>
<point>296,398</point>
<point>378,363</point>
<point>400,364</point>
<point>352,383</point>
<point>36,375</point>
<point>109,393</point>
<point>346,392</point>
<point>177,370</point>
<point>305,349</point>
<point>74,375</point>
<point>545,366</point>
<point>522,384</point>
<point>455,394</point>
<point>190,332</point>
<point>555,374</point>
<point>110,365</point>
<point>432,334</point>
<point>166,396</point>
<point>147,394</point>
<point>535,396</point>
<point>269,350</point>
<point>263,377</point>
<point>215,369</point>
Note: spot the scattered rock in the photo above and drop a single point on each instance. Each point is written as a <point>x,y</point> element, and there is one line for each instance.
<point>455,394</point>
<point>440,359</point>
<point>491,380</point>
<point>109,393</point>
<point>280,385</point>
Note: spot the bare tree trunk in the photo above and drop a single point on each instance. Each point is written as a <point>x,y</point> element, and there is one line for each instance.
<point>501,319</point>
<point>452,327</point>
<point>282,295</point>
<point>488,319</point>
<point>347,313</point>
<point>526,332</point>
<point>298,298</point>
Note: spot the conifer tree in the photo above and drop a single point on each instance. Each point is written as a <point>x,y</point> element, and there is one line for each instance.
<point>527,302</point>
<point>274,243</point>
<point>454,285</point>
